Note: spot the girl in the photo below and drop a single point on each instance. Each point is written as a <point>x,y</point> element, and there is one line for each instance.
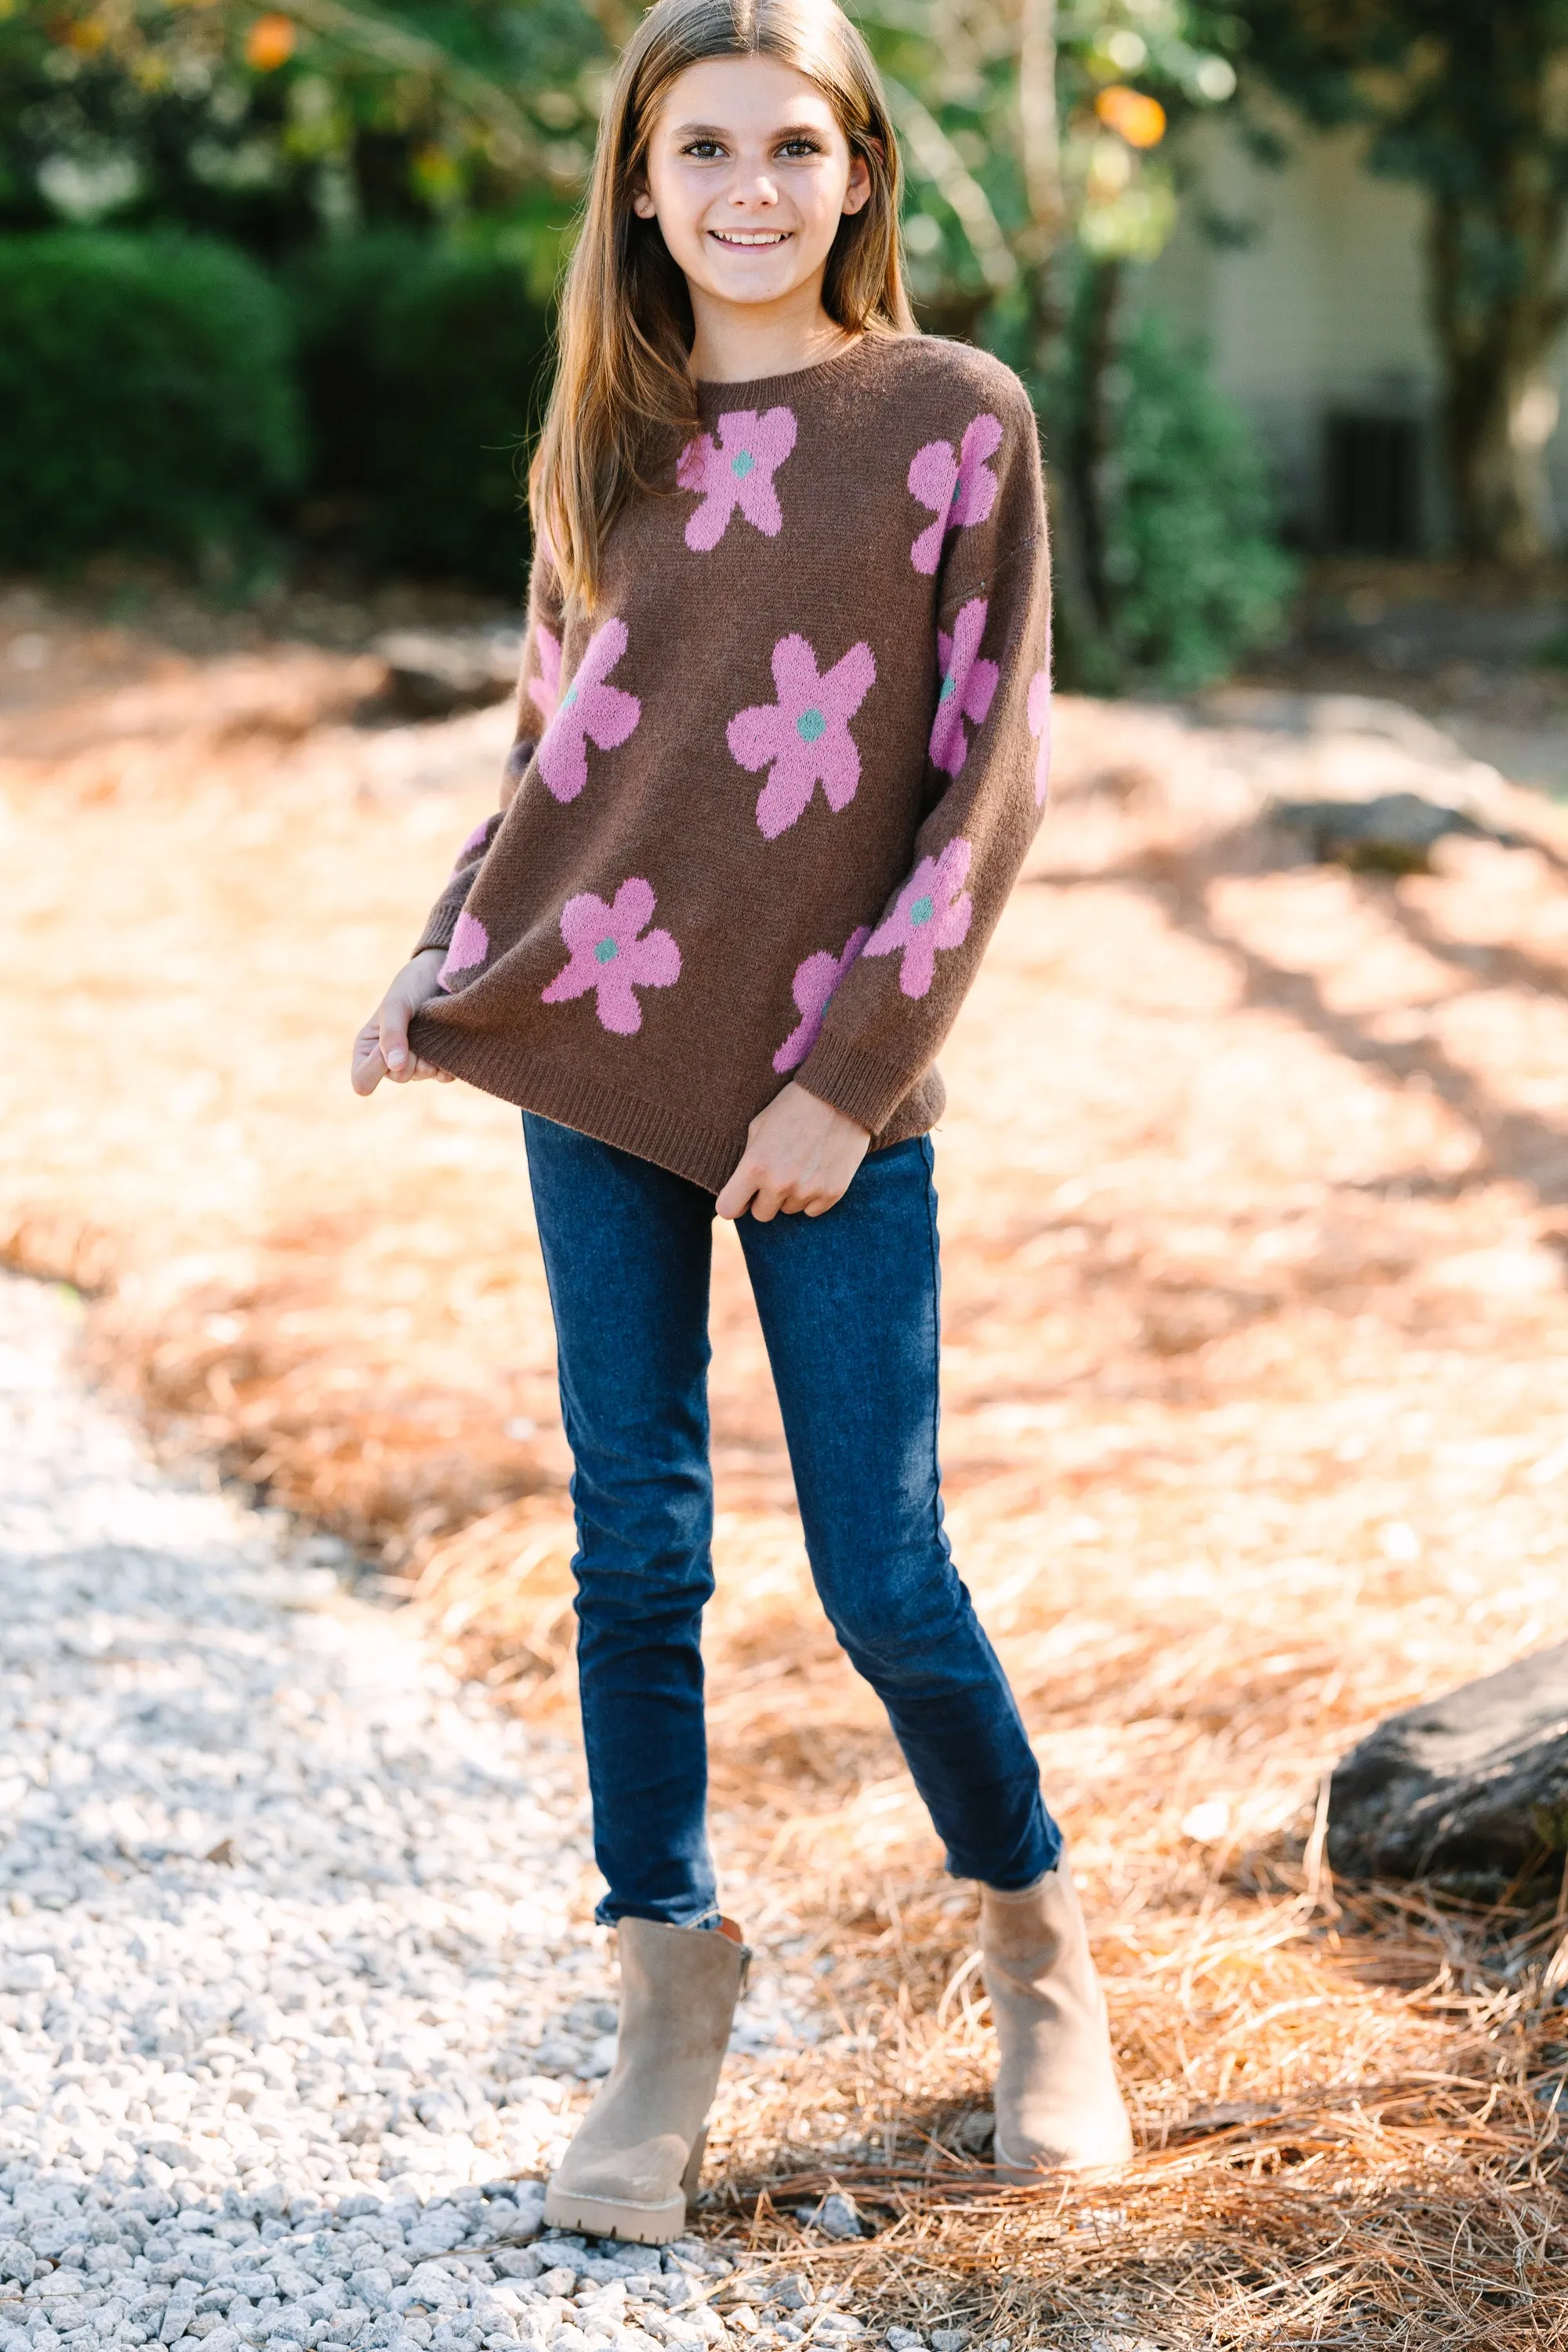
<point>781,744</point>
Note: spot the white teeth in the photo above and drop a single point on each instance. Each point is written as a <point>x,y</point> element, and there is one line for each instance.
<point>749,237</point>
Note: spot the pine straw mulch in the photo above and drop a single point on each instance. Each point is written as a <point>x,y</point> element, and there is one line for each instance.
<point>1255,1194</point>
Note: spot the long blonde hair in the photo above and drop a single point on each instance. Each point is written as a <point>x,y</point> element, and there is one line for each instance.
<point>622,394</point>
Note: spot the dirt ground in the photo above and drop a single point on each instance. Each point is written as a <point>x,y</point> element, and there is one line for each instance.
<point>1254,1203</point>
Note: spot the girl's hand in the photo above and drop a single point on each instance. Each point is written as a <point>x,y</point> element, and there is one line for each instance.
<point>382,1049</point>
<point>800,1154</point>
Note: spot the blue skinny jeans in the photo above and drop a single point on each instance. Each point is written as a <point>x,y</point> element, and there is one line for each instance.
<point>849,1309</point>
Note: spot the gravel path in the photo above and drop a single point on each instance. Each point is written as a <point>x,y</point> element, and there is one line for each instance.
<point>293,1981</point>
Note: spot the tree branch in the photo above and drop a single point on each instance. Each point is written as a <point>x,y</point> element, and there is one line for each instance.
<point>1040,132</point>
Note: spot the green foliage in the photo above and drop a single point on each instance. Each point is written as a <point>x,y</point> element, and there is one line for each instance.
<point>1453,96</point>
<point>1194,573</point>
<point>423,368</point>
<point>276,125</point>
<point>988,207</point>
<point>146,388</point>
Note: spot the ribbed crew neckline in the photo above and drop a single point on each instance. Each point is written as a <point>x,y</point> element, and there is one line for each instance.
<point>755,390</point>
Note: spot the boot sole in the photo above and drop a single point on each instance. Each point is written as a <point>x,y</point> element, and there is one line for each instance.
<point>1040,2174</point>
<point>644,2225</point>
<point>598,2217</point>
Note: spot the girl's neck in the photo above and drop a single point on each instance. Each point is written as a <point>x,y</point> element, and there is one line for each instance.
<point>740,344</point>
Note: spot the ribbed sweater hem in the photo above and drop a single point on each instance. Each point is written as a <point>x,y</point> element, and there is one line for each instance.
<point>688,1147</point>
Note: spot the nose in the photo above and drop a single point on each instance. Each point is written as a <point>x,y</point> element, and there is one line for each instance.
<point>761,190</point>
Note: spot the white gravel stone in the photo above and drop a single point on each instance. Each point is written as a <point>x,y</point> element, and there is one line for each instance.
<point>293,1981</point>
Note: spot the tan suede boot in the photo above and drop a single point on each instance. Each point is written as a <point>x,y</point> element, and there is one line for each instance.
<point>1057,2103</point>
<point>638,2155</point>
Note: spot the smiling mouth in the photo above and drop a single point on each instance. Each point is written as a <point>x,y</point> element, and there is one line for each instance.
<point>749,240</point>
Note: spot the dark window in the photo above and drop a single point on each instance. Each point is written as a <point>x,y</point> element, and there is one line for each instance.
<point>1374,484</point>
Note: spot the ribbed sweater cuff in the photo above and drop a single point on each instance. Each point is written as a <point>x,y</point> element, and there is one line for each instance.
<point>439,930</point>
<point>862,1085</point>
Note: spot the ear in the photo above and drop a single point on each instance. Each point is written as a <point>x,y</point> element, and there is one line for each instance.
<point>642,203</point>
<point>858,191</point>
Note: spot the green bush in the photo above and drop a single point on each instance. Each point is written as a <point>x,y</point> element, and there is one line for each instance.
<point>147,397</point>
<point>1193,568</point>
<point>423,369</point>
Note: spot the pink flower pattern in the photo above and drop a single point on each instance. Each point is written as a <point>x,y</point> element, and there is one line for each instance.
<point>805,733</point>
<point>1039,715</point>
<point>812,987</point>
<point>544,691</point>
<point>968,685</point>
<point>959,490</point>
<point>470,945</point>
<point>737,471</point>
<point>609,956</point>
<point>932,911</point>
<point>588,712</point>
<point>804,739</point>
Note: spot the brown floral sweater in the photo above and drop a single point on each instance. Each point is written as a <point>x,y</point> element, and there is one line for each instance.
<point>767,801</point>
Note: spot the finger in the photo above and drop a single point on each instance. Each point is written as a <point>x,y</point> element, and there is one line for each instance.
<point>766,1202</point>
<point>367,1068</point>
<point>394,1040</point>
<point>734,1199</point>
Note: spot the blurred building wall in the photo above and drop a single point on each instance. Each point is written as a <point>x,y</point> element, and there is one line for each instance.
<point>1308,286</point>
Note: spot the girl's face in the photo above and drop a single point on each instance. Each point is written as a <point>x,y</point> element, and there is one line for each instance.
<point>748,175</point>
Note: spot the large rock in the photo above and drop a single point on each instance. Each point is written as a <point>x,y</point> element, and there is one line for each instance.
<point>1395,833</point>
<point>433,672</point>
<point>1470,1789</point>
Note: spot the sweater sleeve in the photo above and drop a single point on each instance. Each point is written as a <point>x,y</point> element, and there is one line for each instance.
<point>986,769</point>
<point>538,688</point>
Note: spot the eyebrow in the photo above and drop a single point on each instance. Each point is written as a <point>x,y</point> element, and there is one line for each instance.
<point>717,130</point>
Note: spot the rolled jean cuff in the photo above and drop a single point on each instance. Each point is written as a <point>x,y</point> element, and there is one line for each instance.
<point>1045,1855</point>
<point>1019,1894</point>
<point>609,1913</point>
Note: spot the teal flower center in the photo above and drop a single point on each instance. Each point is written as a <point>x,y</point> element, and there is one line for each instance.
<point>606,952</point>
<point>949,689</point>
<point>742,463</point>
<point>810,726</point>
<point>569,697</point>
<point>922,910</point>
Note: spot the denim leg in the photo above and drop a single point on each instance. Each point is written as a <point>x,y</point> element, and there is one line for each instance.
<point>849,1304</point>
<point>628,1252</point>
